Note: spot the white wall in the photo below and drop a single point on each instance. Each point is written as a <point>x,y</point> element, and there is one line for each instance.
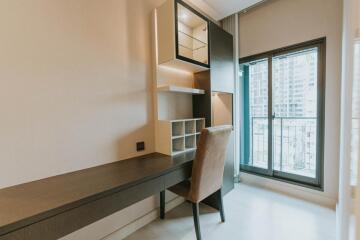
<point>281,23</point>
<point>348,209</point>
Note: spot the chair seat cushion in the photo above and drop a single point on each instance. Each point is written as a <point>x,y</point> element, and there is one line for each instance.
<point>182,189</point>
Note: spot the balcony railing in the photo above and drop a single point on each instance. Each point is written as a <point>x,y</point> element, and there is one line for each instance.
<point>294,144</point>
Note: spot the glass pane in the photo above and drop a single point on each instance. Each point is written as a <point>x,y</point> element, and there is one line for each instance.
<point>255,76</point>
<point>192,35</point>
<point>295,112</point>
<point>355,131</point>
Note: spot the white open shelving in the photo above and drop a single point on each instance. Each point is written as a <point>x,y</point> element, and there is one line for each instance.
<point>179,136</point>
<point>177,89</point>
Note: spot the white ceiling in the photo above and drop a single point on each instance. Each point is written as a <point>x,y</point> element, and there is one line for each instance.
<point>219,9</point>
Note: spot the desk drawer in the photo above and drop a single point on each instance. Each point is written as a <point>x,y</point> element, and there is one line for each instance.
<point>178,176</point>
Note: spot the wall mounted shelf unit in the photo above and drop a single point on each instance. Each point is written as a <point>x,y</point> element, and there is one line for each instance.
<point>216,105</point>
<point>186,40</point>
<point>178,136</point>
<point>177,89</point>
<point>182,36</point>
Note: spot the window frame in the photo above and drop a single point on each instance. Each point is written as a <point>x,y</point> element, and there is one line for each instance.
<point>317,182</point>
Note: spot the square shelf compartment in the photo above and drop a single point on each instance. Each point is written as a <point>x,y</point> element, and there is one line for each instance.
<point>190,127</point>
<point>190,142</point>
<point>177,129</point>
<point>197,139</point>
<point>178,136</point>
<point>178,145</point>
<point>200,125</point>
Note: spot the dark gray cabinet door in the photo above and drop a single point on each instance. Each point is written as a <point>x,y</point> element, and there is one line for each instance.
<point>220,78</point>
<point>228,180</point>
<point>222,59</point>
<point>202,103</point>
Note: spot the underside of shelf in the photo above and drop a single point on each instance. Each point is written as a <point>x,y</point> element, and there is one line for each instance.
<point>184,65</point>
<point>177,89</point>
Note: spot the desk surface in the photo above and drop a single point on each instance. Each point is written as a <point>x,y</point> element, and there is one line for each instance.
<point>28,203</point>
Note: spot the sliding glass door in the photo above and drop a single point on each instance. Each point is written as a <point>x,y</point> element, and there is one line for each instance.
<point>283,113</point>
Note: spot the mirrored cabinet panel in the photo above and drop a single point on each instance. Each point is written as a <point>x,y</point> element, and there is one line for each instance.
<point>192,35</point>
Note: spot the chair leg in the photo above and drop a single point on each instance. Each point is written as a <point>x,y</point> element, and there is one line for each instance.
<point>221,205</point>
<point>162,204</point>
<point>195,207</point>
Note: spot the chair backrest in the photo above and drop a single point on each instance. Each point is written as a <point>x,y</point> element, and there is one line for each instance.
<point>208,167</point>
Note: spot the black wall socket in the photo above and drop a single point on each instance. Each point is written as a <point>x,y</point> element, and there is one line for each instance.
<point>140,146</point>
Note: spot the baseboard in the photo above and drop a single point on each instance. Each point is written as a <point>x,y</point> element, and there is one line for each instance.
<point>142,221</point>
<point>299,192</point>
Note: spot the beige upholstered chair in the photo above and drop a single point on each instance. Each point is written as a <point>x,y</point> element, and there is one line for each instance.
<point>207,173</point>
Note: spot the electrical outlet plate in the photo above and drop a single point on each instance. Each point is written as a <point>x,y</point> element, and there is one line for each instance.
<point>140,146</point>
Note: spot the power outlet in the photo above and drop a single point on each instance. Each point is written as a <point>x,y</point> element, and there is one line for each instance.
<point>140,146</point>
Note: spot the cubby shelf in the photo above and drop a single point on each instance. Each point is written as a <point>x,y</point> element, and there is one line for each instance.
<point>177,89</point>
<point>193,71</point>
<point>178,136</point>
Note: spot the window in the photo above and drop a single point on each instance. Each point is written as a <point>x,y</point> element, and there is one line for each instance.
<point>283,103</point>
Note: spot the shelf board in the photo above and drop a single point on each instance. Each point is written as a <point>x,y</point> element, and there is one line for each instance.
<point>184,120</point>
<point>183,65</point>
<point>191,49</point>
<point>189,149</point>
<point>192,37</point>
<point>183,151</point>
<point>177,89</point>
<point>189,134</point>
<point>177,152</point>
<point>177,136</point>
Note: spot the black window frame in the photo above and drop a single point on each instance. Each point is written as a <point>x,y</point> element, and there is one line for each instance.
<point>318,182</point>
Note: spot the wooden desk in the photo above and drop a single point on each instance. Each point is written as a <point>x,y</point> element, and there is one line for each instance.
<point>57,206</point>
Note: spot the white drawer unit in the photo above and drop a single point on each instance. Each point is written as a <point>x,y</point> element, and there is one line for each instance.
<point>178,136</point>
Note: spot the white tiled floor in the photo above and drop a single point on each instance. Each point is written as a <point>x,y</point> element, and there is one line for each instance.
<point>251,214</point>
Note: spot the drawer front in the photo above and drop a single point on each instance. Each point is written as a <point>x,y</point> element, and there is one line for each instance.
<point>67,222</point>
<point>178,176</point>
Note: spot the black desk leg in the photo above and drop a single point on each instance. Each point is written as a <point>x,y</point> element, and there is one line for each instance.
<point>162,204</point>
<point>195,207</point>
<point>221,205</point>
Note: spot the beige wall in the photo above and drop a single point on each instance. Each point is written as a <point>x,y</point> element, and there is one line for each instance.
<point>75,91</point>
<point>281,23</point>
<point>76,82</point>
